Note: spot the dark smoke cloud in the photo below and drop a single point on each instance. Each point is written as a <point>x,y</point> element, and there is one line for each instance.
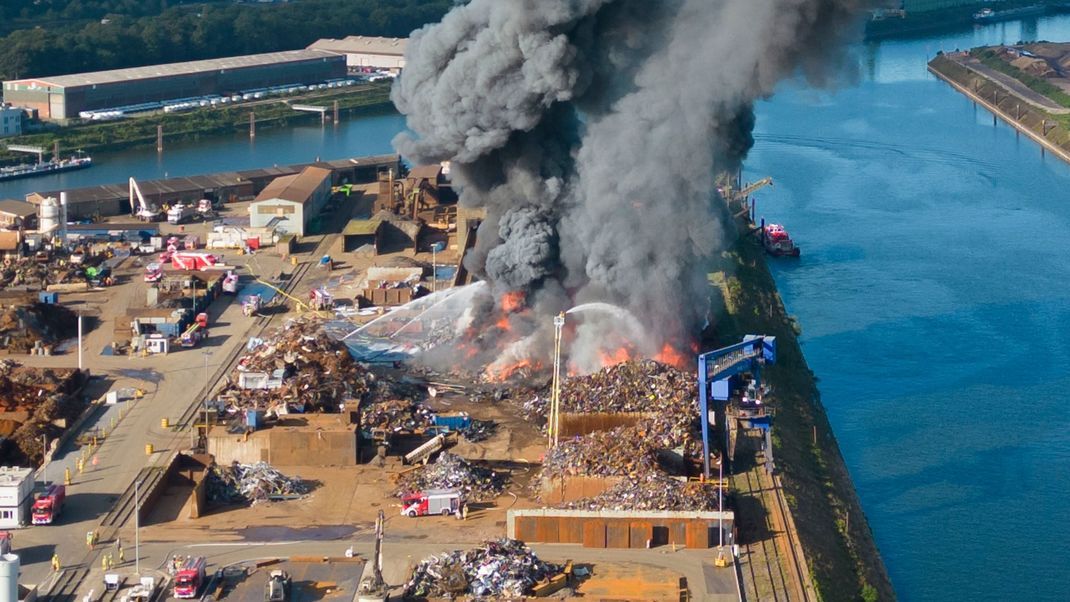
<point>592,130</point>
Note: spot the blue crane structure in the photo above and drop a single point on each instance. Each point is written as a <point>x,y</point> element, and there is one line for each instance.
<point>715,368</point>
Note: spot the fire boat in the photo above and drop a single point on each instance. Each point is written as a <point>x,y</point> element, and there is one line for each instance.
<point>777,242</point>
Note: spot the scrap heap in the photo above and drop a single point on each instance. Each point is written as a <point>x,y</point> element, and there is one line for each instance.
<point>317,372</point>
<point>450,471</point>
<point>251,484</point>
<point>22,327</point>
<point>500,569</point>
<point>658,443</point>
<point>35,402</point>
<point>394,415</point>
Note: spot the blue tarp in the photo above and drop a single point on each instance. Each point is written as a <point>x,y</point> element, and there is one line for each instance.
<point>255,288</point>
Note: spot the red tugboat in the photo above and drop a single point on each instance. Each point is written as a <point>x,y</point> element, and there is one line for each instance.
<point>776,241</point>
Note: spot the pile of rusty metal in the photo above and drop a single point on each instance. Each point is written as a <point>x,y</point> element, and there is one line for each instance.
<point>300,367</point>
<point>35,402</point>
<point>394,415</point>
<point>450,471</point>
<point>640,423</point>
<point>251,484</point>
<point>651,491</point>
<point>499,569</point>
<point>617,452</point>
<point>24,328</point>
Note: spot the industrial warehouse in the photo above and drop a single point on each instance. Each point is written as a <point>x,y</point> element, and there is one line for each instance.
<point>64,97</point>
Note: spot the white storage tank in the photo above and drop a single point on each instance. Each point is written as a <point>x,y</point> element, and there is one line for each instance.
<point>9,578</point>
<point>49,218</point>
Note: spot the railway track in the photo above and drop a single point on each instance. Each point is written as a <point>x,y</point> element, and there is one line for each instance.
<point>65,587</point>
<point>773,568</point>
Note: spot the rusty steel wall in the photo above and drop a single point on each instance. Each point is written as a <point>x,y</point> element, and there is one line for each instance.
<point>572,488</point>
<point>574,424</point>
<point>637,532</point>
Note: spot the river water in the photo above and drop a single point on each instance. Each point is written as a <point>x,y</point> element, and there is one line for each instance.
<point>932,294</point>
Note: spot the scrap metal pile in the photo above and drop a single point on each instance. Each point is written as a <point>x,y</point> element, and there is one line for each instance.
<point>651,491</point>
<point>394,415</point>
<point>251,484</point>
<point>450,471</point>
<point>317,372</point>
<point>664,432</point>
<point>499,569</point>
<point>35,402</point>
<point>23,327</point>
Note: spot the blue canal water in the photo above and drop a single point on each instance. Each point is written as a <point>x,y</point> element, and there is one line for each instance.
<point>932,292</point>
<point>934,300</point>
<point>280,146</point>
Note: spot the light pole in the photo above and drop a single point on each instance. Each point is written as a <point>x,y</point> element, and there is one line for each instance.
<point>44,457</point>
<point>80,340</point>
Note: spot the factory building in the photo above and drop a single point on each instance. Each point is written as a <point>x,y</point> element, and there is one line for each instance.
<point>17,214</point>
<point>65,96</point>
<point>291,202</point>
<point>363,52</point>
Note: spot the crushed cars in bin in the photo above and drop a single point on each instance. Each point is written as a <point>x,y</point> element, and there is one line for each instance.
<point>450,471</point>
<point>499,569</point>
<point>251,484</point>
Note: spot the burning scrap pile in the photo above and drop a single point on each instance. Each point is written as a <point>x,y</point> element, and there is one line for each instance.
<point>500,569</point>
<point>251,484</point>
<point>451,471</point>
<point>26,326</point>
<point>317,372</point>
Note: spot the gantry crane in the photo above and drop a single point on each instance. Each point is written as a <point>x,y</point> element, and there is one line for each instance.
<point>715,370</point>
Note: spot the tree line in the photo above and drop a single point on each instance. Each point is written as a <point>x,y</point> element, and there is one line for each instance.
<point>144,32</point>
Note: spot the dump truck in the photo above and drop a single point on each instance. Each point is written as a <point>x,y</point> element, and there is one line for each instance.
<point>189,577</point>
<point>48,506</point>
<point>433,501</point>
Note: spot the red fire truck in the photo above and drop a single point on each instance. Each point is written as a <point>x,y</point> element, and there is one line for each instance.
<point>48,505</point>
<point>189,577</point>
<point>433,501</point>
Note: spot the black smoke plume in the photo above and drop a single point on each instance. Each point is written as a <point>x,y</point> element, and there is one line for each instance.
<point>592,130</point>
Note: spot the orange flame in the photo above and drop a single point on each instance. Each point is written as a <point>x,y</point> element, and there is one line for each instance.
<point>503,323</point>
<point>503,373</point>
<point>512,301</point>
<point>612,358</point>
<point>669,355</point>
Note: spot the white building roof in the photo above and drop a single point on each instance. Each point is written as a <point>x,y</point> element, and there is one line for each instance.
<point>362,45</point>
